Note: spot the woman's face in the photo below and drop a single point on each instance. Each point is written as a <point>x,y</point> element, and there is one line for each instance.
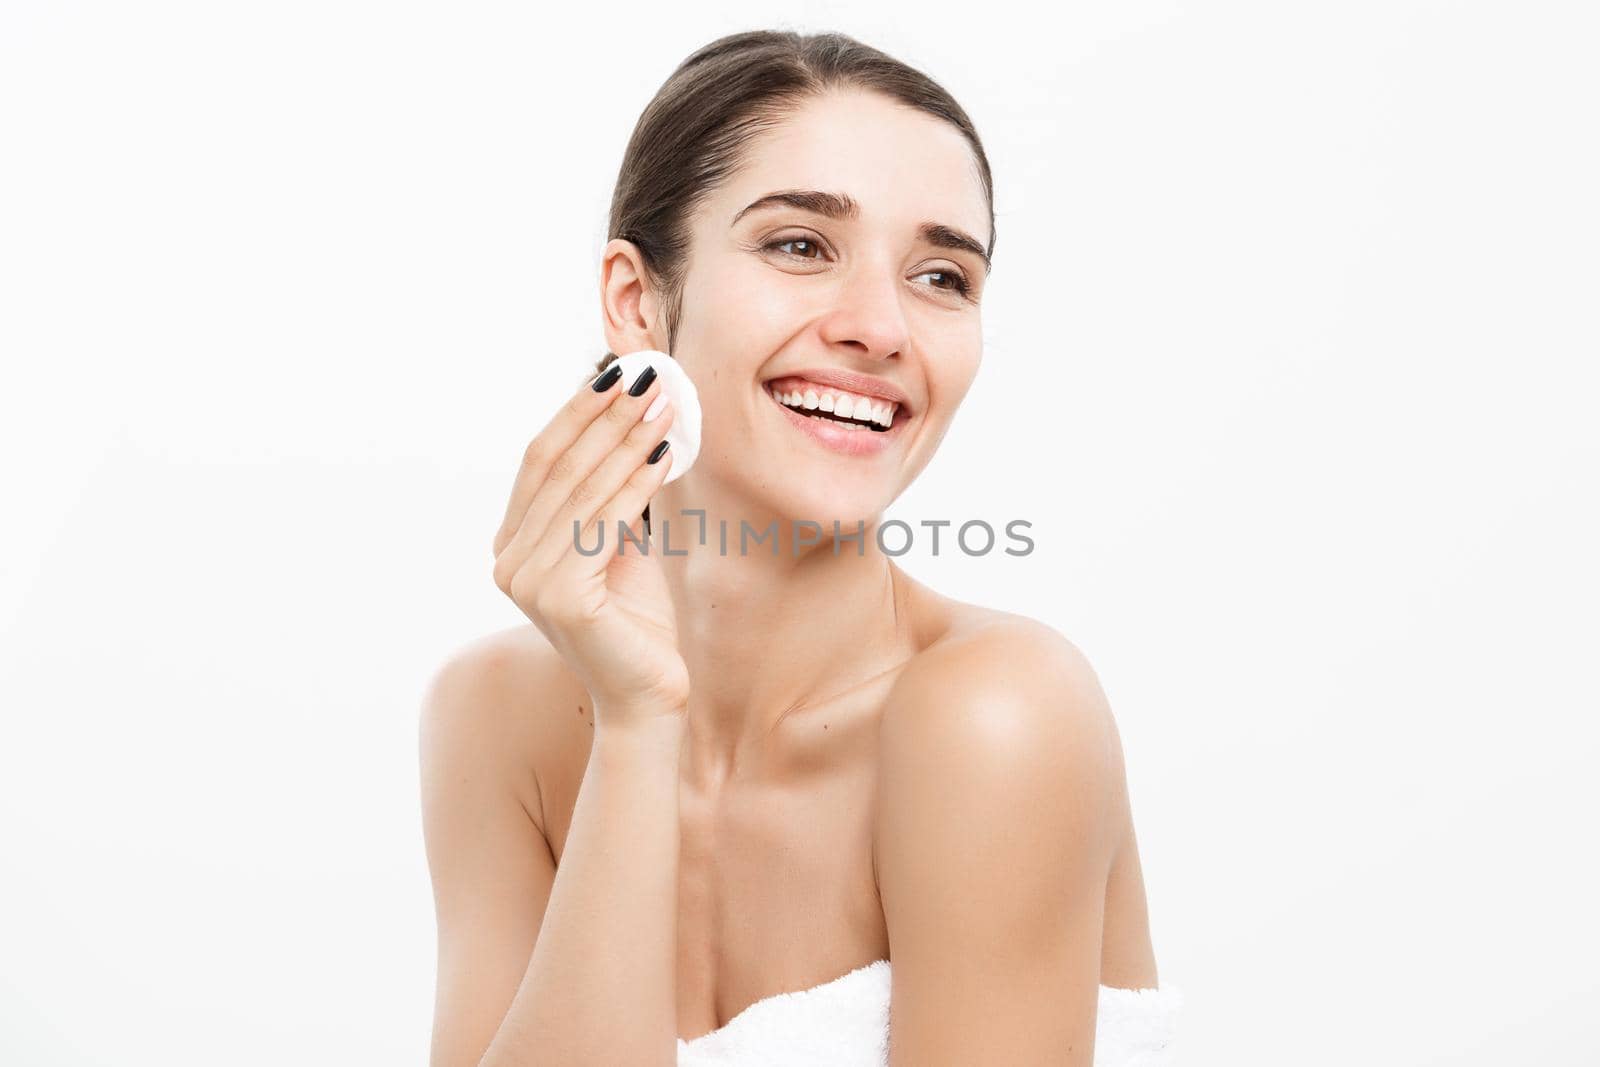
<point>778,298</point>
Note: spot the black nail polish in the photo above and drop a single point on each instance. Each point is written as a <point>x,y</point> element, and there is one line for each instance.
<point>642,382</point>
<point>657,452</point>
<point>608,378</point>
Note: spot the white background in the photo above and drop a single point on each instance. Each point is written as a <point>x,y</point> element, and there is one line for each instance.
<point>1290,360</point>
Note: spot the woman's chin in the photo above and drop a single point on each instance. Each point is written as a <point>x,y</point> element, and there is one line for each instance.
<point>809,512</point>
<point>818,521</point>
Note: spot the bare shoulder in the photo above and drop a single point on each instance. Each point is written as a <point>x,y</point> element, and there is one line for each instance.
<point>1001,709</point>
<point>1006,678</point>
<point>996,828</point>
<point>493,702</point>
<point>483,722</point>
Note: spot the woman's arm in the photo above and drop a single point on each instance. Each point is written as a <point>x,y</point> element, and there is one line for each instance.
<point>999,776</point>
<point>539,967</point>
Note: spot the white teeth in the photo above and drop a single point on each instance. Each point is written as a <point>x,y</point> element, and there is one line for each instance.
<point>841,405</point>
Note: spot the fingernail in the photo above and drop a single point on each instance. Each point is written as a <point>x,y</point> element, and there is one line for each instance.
<point>655,407</point>
<point>608,378</point>
<point>642,382</point>
<point>659,451</point>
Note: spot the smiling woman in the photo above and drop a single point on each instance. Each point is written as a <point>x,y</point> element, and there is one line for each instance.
<point>674,820</point>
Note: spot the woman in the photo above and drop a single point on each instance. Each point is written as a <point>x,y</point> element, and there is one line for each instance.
<point>766,772</point>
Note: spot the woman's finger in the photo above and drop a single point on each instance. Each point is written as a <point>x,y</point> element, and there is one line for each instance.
<point>576,515</point>
<point>575,571</point>
<point>558,435</point>
<point>601,438</point>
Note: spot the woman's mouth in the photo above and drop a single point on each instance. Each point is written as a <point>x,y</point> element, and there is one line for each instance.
<point>845,422</point>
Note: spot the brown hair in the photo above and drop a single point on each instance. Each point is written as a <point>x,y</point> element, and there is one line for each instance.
<point>693,134</point>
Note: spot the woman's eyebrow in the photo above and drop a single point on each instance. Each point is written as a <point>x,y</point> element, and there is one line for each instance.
<point>844,206</point>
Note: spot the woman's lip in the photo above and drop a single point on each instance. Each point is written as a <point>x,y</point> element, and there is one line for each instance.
<point>836,437</point>
<point>825,381</point>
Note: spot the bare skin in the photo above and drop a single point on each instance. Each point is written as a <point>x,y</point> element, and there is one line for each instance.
<point>856,768</point>
<point>749,928</point>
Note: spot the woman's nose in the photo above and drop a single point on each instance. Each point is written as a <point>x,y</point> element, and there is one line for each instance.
<point>868,311</point>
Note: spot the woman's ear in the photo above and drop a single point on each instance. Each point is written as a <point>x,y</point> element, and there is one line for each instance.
<point>629,303</point>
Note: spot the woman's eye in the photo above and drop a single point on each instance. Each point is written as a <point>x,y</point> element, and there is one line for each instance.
<point>951,281</point>
<point>780,242</point>
<point>956,282</point>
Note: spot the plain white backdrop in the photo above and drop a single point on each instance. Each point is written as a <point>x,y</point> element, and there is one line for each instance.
<point>1290,361</point>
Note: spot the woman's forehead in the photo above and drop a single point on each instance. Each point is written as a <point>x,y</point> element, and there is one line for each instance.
<point>888,163</point>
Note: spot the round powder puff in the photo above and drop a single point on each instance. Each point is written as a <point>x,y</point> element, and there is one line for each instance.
<point>684,433</point>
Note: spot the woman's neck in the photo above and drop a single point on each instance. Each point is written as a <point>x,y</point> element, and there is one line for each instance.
<point>765,633</point>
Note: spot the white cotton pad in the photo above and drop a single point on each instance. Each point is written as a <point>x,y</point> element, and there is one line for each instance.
<point>684,433</point>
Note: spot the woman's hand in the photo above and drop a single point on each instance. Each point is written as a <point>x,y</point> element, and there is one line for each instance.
<point>609,614</point>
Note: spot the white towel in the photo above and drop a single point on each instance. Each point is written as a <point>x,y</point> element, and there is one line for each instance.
<point>845,1023</point>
